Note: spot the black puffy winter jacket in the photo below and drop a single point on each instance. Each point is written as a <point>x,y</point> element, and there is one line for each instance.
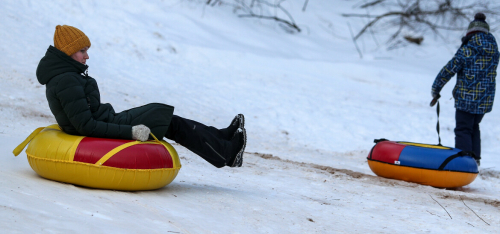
<point>74,100</point>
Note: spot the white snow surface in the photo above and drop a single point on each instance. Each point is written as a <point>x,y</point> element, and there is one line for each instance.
<point>312,107</point>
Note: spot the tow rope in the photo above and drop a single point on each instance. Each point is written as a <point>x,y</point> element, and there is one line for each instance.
<point>433,102</point>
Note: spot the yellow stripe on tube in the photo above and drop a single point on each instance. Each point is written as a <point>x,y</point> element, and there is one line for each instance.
<point>424,145</point>
<point>114,151</point>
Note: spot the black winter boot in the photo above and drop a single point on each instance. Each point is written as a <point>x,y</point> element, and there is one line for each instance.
<point>240,139</point>
<point>202,140</point>
<point>237,122</point>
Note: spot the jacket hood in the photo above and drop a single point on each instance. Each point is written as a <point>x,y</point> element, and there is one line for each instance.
<point>490,46</point>
<point>54,63</point>
<point>484,41</point>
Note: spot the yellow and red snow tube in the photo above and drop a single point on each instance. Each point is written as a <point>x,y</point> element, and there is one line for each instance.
<point>434,165</point>
<point>99,162</point>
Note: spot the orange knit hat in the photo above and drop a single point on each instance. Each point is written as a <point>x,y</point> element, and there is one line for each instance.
<point>70,39</point>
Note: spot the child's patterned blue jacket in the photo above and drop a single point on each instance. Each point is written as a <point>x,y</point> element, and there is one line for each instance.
<point>475,64</point>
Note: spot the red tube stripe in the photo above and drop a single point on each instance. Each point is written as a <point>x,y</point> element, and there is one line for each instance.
<point>387,151</point>
<point>141,156</point>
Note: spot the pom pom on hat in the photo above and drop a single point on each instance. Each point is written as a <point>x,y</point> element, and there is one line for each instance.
<point>478,24</point>
<point>69,39</point>
<point>480,16</point>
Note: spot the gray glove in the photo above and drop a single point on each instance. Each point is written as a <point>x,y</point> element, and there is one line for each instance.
<point>140,132</point>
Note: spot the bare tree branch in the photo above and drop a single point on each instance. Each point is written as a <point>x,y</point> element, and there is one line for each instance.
<point>418,16</point>
<point>441,206</point>
<point>377,18</point>
<point>370,4</point>
<point>293,25</point>
<point>473,211</point>
<point>354,41</point>
<point>305,5</point>
<point>261,6</point>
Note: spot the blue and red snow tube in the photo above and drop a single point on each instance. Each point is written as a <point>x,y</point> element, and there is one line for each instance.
<point>433,165</point>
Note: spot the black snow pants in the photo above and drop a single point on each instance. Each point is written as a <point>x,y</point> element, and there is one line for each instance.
<point>467,134</point>
<point>208,142</point>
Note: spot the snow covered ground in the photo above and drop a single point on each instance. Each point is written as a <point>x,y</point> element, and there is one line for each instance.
<point>312,108</point>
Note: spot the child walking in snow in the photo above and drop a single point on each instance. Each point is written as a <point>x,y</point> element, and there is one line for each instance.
<point>74,100</point>
<point>475,64</point>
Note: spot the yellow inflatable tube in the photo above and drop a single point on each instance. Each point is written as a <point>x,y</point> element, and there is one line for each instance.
<point>100,163</point>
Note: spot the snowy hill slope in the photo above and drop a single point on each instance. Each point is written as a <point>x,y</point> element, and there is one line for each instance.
<point>313,108</point>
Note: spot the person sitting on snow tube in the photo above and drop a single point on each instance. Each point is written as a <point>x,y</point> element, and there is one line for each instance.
<point>74,100</point>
